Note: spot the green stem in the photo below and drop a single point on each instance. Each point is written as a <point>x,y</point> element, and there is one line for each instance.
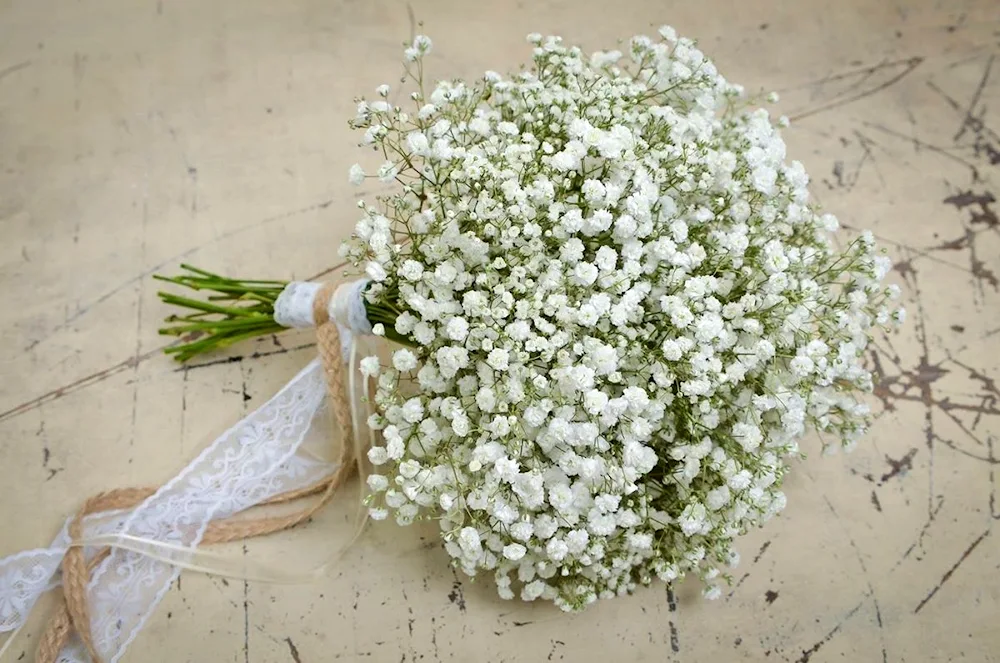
<point>214,326</point>
<point>240,310</point>
<point>232,311</point>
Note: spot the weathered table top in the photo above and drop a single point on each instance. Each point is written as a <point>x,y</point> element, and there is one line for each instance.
<point>138,135</point>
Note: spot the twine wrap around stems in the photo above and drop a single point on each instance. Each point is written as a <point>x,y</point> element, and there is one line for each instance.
<point>73,614</point>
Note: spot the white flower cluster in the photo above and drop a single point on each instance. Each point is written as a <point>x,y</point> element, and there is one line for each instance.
<point>621,313</point>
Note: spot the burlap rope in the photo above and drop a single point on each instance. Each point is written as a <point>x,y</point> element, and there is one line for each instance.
<point>73,612</point>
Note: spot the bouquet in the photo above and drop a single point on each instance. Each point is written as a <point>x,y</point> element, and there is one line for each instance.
<point>614,310</point>
<point>619,312</point>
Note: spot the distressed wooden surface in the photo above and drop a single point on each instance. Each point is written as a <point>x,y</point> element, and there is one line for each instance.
<point>135,135</point>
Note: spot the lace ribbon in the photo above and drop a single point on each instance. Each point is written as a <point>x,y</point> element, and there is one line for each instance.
<point>265,458</point>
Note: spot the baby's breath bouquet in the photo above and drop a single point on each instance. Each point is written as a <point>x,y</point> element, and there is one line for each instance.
<point>617,310</point>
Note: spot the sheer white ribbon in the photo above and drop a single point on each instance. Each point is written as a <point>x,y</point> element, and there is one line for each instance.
<point>261,456</point>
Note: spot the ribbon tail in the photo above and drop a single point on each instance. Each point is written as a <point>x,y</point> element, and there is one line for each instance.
<point>264,456</point>
<point>251,462</point>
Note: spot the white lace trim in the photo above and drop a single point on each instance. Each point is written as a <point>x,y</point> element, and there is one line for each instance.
<point>294,306</point>
<point>261,456</point>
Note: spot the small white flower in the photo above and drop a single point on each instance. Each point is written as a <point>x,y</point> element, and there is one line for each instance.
<point>423,44</point>
<point>394,449</point>
<point>692,520</point>
<point>522,530</point>
<point>460,425</point>
<point>506,468</point>
<point>533,590</point>
<point>556,549</point>
<point>378,455</point>
<point>514,551</point>
<point>469,540</point>
<point>411,270</point>
<point>607,258</point>
<point>356,175</point>
<point>498,359</point>
<point>404,360</point>
<point>671,350</point>
<point>748,435</point>
<point>395,499</point>
<point>375,271</point>
<point>370,366</point>
<point>585,273</point>
<point>577,540</point>
<point>561,497</point>
<point>595,401</point>
<point>741,480</point>
<point>545,526</point>
<point>418,144</point>
<point>593,191</point>
<point>387,172</point>
<point>413,410</point>
<point>717,498</point>
<point>409,468</point>
<point>802,366</point>
<point>457,328</point>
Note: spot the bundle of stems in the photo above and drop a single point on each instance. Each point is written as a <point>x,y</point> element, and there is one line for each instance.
<point>235,310</point>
